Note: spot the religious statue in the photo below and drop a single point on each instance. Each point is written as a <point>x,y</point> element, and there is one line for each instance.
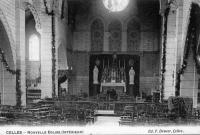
<point>131,76</point>
<point>95,75</point>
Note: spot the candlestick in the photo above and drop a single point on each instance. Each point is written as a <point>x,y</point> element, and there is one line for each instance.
<point>108,63</point>
<point>103,63</point>
<point>124,63</point>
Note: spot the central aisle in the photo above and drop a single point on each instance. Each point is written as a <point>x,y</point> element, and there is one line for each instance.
<point>107,121</point>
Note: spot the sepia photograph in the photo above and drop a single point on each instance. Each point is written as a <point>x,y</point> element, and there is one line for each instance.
<point>99,67</point>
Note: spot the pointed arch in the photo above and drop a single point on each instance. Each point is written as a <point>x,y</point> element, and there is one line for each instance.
<point>115,37</point>
<point>97,35</point>
<point>29,6</point>
<point>133,35</point>
<point>10,36</point>
<point>34,48</point>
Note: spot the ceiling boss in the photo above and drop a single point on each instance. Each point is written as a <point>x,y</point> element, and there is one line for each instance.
<point>115,5</point>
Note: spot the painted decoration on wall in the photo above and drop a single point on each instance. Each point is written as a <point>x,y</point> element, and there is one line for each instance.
<point>150,64</point>
<point>97,35</point>
<point>133,35</point>
<point>80,58</point>
<point>82,40</point>
<point>148,17</point>
<point>115,37</point>
<point>150,41</point>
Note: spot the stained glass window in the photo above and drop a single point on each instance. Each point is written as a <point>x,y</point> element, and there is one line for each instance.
<point>115,5</point>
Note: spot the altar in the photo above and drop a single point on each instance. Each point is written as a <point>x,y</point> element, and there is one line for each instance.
<point>112,73</point>
<point>111,84</point>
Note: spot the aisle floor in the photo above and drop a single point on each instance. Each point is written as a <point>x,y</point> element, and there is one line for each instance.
<point>107,121</point>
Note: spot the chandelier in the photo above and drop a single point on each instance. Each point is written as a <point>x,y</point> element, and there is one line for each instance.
<point>115,5</point>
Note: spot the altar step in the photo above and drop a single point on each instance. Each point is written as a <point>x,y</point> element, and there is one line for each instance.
<point>105,113</point>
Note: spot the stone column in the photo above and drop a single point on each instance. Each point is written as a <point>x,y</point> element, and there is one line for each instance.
<point>171,53</point>
<point>106,41</point>
<point>20,48</point>
<point>124,41</point>
<point>46,56</point>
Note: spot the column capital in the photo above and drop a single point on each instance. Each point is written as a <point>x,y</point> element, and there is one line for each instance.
<point>163,6</point>
<point>20,4</point>
<point>173,5</point>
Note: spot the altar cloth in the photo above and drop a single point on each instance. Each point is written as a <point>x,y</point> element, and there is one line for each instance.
<point>122,84</point>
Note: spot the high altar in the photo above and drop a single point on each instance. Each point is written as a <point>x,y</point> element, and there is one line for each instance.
<point>111,72</point>
<point>113,77</point>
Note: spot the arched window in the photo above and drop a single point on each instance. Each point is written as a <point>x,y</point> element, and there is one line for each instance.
<point>115,38</point>
<point>97,35</point>
<point>34,48</point>
<point>133,35</point>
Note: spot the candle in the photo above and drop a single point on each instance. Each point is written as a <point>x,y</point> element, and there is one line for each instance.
<point>103,63</point>
<point>124,63</point>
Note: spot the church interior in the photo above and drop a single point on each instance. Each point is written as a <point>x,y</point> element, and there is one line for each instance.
<point>78,60</point>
